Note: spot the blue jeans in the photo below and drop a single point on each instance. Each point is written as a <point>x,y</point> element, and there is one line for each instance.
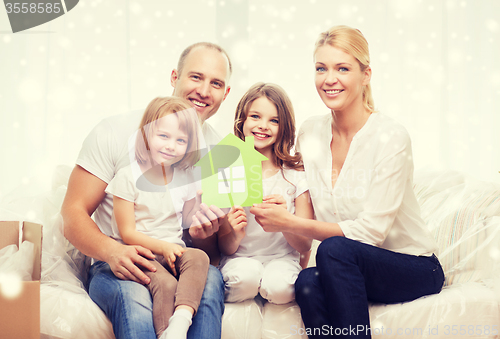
<point>129,306</point>
<point>334,295</point>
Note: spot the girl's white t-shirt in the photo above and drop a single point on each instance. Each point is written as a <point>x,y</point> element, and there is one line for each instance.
<point>265,246</point>
<point>110,146</point>
<point>158,209</point>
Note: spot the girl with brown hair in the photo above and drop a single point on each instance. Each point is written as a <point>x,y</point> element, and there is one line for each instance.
<point>255,261</point>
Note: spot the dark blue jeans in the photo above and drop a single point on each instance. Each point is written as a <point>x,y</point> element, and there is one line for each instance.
<point>334,295</point>
<point>129,306</point>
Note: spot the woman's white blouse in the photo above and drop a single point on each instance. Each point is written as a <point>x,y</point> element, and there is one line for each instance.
<point>373,199</point>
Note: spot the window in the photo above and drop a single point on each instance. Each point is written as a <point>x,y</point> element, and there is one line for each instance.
<point>231,180</point>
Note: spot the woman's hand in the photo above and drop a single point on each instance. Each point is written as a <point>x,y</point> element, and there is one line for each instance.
<point>272,217</point>
<point>276,199</point>
<point>170,252</point>
<point>237,218</point>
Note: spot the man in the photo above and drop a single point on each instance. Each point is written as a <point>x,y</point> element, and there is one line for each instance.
<point>115,280</point>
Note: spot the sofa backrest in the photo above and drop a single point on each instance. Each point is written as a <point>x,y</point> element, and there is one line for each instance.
<point>463,214</point>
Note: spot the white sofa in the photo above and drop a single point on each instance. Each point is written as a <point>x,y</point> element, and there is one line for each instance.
<point>464,216</point>
<point>462,213</point>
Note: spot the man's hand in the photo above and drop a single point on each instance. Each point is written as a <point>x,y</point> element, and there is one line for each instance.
<point>206,221</point>
<point>124,259</point>
<point>85,192</point>
<point>237,218</point>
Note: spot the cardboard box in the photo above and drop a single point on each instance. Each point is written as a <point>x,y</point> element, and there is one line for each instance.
<point>20,315</point>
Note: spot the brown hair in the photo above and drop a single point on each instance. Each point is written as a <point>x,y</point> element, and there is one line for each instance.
<point>286,122</point>
<point>188,122</point>
<point>351,41</point>
<point>210,45</point>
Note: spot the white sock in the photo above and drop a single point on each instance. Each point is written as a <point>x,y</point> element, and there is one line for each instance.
<point>178,325</point>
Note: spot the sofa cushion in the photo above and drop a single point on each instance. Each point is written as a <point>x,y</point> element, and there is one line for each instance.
<point>67,312</point>
<point>462,215</point>
<point>282,321</point>
<point>470,307</point>
<point>242,320</point>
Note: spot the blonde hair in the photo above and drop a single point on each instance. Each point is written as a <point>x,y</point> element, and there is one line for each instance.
<point>286,122</point>
<point>188,123</point>
<point>351,41</point>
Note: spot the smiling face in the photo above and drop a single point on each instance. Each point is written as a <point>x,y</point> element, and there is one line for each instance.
<point>339,79</point>
<point>262,123</point>
<point>203,80</point>
<point>168,143</point>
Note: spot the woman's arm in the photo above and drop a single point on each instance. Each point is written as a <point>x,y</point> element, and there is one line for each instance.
<point>125,220</point>
<point>274,218</point>
<point>232,230</point>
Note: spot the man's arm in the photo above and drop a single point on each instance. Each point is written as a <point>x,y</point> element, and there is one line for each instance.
<point>201,224</point>
<point>203,231</point>
<point>209,245</point>
<point>85,192</point>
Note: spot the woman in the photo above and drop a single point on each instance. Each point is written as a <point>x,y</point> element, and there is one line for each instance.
<point>375,246</point>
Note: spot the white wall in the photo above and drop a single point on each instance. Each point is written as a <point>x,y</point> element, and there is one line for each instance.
<point>435,69</point>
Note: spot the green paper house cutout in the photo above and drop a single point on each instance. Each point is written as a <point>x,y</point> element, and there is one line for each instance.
<point>232,173</point>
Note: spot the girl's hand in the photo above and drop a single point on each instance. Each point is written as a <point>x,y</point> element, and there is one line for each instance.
<point>170,252</point>
<point>237,218</point>
<point>276,199</point>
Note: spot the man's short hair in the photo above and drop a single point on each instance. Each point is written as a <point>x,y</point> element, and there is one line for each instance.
<point>185,53</point>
